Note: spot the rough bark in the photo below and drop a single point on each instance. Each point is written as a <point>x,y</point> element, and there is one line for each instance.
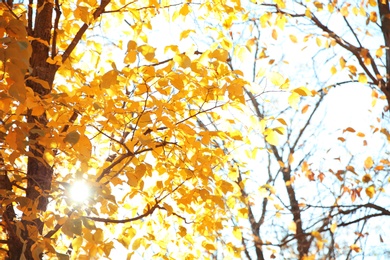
<point>384,13</point>
<point>8,213</point>
<point>303,243</point>
<point>39,173</point>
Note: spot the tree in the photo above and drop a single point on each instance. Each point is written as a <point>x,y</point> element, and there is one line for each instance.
<point>319,190</point>
<point>81,104</point>
<point>166,136</point>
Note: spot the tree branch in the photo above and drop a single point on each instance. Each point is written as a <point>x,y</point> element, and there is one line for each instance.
<point>56,22</point>
<point>82,30</point>
<point>147,213</point>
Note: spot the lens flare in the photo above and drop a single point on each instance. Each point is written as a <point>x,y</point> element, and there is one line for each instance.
<point>80,191</point>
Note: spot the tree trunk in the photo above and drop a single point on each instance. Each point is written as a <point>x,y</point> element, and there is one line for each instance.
<point>39,173</point>
<point>303,244</point>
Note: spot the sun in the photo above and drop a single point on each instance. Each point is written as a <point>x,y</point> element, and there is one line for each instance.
<point>80,191</point>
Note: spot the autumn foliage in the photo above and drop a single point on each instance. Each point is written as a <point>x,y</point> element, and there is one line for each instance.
<point>153,132</point>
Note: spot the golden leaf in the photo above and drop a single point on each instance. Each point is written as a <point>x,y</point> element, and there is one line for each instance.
<point>362,78</point>
<point>333,227</point>
<point>373,17</point>
<point>293,100</point>
<point>271,137</point>
<point>333,70</point>
<point>274,34</point>
<point>370,191</point>
<point>379,52</point>
<point>182,60</point>
<point>282,121</point>
<point>293,38</point>
<point>276,78</point>
<point>184,34</point>
<point>368,163</point>
<point>292,227</point>
<point>302,91</point>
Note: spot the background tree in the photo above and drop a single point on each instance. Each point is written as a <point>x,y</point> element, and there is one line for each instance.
<point>82,106</point>
<point>325,180</point>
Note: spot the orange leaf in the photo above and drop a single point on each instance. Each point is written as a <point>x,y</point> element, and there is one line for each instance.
<point>274,34</point>
<point>360,134</point>
<point>305,108</point>
<point>349,129</point>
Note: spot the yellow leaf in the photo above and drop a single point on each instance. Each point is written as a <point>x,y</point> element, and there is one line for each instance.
<point>271,137</point>
<point>131,46</point>
<point>333,70</point>
<point>251,42</point>
<point>208,246</point>
<point>147,51</point>
<point>372,3</point>
<point>368,163</point>
<point>220,54</point>
<point>137,243</point>
<point>302,91</point>
<point>319,5</point>
<point>274,34</point>
<point>130,57</point>
<point>227,44</point>
<point>184,34</point>
<point>293,38</point>
<point>109,79</point>
<point>333,227</point>
<point>172,48</point>
<point>342,62</point>
<point>331,7</point>
<point>352,69</point>
<point>370,191</point>
<point>318,41</point>
<point>293,100</point>
<point>140,170</point>
<point>237,233</point>
<point>282,121</point>
<point>276,78</point>
<point>135,176</point>
<point>362,78</point>
<point>182,60</point>
<point>316,234</point>
<point>98,236</point>
<point>292,227</point>
<point>355,248</point>
<point>185,9</point>
<point>77,242</point>
<point>344,10</point>
<point>379,52</point>
<point>279,130</point>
